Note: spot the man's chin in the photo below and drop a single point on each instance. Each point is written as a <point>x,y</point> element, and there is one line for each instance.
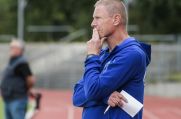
<point>102,36</point>
<point>105,37</point>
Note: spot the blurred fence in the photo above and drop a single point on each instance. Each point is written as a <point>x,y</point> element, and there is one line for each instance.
<point>60,65</point>
<point>54,65</point>
<point>165,65</point>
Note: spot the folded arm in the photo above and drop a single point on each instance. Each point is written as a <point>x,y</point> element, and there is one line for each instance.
<point>100,84</point>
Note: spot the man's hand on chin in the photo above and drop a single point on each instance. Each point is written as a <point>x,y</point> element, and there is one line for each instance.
<point>94,45</point>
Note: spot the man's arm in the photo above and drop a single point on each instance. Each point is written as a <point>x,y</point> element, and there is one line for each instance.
<point>79,98</point>
<point>98,85</point>
<point>30,81</point>
<point>25,71</point>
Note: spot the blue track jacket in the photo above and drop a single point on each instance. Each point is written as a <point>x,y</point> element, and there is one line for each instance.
<point>122,69</point>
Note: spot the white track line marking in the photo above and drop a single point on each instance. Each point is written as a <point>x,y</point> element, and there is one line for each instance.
<point>70,112</point>
<point>176,111</point>
<point>150,114</point>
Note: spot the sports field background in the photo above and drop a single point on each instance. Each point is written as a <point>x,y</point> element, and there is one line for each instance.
<point>55,80</point>
<point>56,33</point>
<point>57,104</point>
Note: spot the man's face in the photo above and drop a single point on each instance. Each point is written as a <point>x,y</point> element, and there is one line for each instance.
<point>15,51</point>
<point>102,21</point>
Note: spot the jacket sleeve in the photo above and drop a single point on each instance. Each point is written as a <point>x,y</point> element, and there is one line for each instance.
<point>79,98</point>
<point>100,84</point>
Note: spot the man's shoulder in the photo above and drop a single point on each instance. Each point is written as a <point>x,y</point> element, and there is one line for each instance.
<point>131,55</point>
<point>131,50</point>
<point>21,62</point>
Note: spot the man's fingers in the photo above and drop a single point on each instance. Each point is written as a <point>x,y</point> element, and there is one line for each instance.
<point>115,102</point>
<point>123,98</point>
<point>95,35</point>
<point>95,32</point>
<point>117,99</point>
<point>120,103</point>
<point>111,102</point>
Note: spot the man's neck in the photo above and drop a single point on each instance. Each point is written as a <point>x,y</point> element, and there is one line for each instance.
<point>116,39</point>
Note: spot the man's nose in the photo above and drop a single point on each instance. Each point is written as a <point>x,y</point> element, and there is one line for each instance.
<point>93,24</point>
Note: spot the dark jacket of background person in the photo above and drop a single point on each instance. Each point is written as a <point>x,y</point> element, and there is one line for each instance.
<point>14,84</point>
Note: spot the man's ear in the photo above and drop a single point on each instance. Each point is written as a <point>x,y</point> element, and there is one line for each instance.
<point>116,19</point>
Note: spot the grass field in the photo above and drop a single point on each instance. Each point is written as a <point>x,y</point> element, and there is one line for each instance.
<point>1,109</point>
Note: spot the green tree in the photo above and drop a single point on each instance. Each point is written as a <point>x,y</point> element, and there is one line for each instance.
<point>157,16</point>
<point>8,19</point>
<point>151,16</point>
<point>59,12</point>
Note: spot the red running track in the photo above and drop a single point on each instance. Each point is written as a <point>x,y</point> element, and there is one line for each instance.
<point>58,105</point>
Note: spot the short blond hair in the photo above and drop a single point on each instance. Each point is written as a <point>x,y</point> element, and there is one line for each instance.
<point>115,7</point>
<point>17,43</point>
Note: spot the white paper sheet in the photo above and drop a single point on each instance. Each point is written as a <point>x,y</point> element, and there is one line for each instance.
<point>133,106</point>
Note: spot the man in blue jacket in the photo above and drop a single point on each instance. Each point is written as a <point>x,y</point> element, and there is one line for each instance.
<point>120,66</point>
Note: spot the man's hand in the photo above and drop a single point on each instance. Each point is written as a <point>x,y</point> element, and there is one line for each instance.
<point>30,82</point>
<point>116,99</point>
<point>95,44</point>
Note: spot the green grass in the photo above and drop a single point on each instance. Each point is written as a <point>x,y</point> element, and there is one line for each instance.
<point>1,109</point>
<point>176,77</point>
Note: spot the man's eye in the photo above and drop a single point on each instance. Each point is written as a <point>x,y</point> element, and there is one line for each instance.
<point>97,17</point>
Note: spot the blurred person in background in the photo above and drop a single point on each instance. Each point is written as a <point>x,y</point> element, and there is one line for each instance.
<point>120,66</point>
<point>16,83</point>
